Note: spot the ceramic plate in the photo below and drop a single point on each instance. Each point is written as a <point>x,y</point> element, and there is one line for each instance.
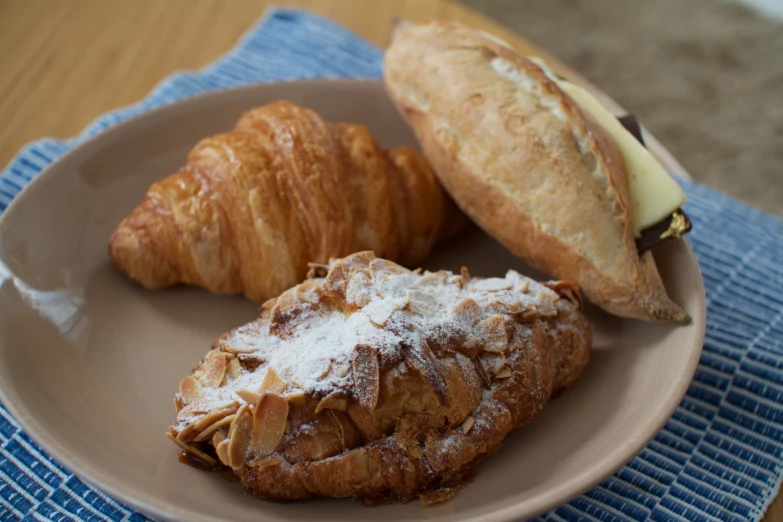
<point>89,363</point>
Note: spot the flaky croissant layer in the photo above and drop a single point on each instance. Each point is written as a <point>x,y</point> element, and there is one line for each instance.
<point>252,207</point>
<point>372,381</point>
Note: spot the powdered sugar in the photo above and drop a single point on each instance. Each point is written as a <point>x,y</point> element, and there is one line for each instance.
<point>387,308</point>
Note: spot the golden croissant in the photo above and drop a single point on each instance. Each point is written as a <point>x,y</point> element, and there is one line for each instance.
<point>252,207</point>
<point>371,381</point>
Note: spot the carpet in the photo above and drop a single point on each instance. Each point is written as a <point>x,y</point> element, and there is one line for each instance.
<point>704,76</point>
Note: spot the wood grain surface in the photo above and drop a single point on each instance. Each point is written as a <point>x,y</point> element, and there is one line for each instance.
<point>65,62</point>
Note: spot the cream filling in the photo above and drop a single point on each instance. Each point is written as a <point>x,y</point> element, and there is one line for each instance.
<point>654,194</point>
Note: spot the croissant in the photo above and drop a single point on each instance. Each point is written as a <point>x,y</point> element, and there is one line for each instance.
<point>371,381</point>
<point>252,207</point>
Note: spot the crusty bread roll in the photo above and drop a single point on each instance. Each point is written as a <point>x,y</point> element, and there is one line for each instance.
<point>525,162</point>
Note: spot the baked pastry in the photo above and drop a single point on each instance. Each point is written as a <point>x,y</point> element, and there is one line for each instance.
<point>252,207</point>
<point>371,381</point>
<point>533,167</point>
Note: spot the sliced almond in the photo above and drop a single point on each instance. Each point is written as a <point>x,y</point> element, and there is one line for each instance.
<point>187,433</point>
<point>380,311</point>
<point>510,303</point>
<point>492,362</point>
<point>308,292</point>
<point>336,279</point>
<point>192,449</point>
<point>437,496</point>
<point>358,291</point>
<point>393,286</point>
<point>469,373</point>
<point>190,387</point>
<point>239,438</point>
<point>334,401</point>
<point>207,433</point>
<point>422,360</point>
<point>199,407</point>
<point>465,275</point>
<point>467,424</point>
<point>420,303</point>
<point>366,375</point>
<point>342,370</point>
<point>265,312</point>
<point>493,284</point>
<point>482,372</point>
<point>567,290</point>
<point>471,346</point>
<point>192,430</point>
<point>272,382</point>
<point>219,436</point>
<point>216,414</point>
<point>493,332</point>
<point>176,441</point>
<point>295,397</point>
<point>384,268</point>
<point>468,311</point>
<point>430,278</point>
<point>503,373</point>
<point>236,348</point>
<point>216,365</point>
<point>265,463</point>
<point>234,369</point>
<point>285,301</point>
<point>222,451</point>
<point>285,310</point>
<point>269,422</point>
<point>325,369</point>
<point>248,396</point>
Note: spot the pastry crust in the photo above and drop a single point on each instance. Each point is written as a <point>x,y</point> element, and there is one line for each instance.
<point>525,162</point>
<point>372,381</point>
<point>252,207</point>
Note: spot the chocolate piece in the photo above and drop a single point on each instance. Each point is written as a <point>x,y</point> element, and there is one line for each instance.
<point>672,227</point>
<point>631,124</point>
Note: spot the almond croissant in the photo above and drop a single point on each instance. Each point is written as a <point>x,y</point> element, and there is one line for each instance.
<point>372,381</point>
<point>252,207</point>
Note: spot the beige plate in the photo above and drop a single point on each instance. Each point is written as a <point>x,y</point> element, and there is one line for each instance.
<point>89,363</point>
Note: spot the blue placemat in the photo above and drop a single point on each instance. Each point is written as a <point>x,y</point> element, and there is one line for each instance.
<point>720,455</point>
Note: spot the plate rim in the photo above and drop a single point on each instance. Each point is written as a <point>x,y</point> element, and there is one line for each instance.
<point>155,507</point>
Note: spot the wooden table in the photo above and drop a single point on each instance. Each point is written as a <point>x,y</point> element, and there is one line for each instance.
<point>64,62</point>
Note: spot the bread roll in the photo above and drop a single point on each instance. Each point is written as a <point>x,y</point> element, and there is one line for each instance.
<point>526,163</point>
